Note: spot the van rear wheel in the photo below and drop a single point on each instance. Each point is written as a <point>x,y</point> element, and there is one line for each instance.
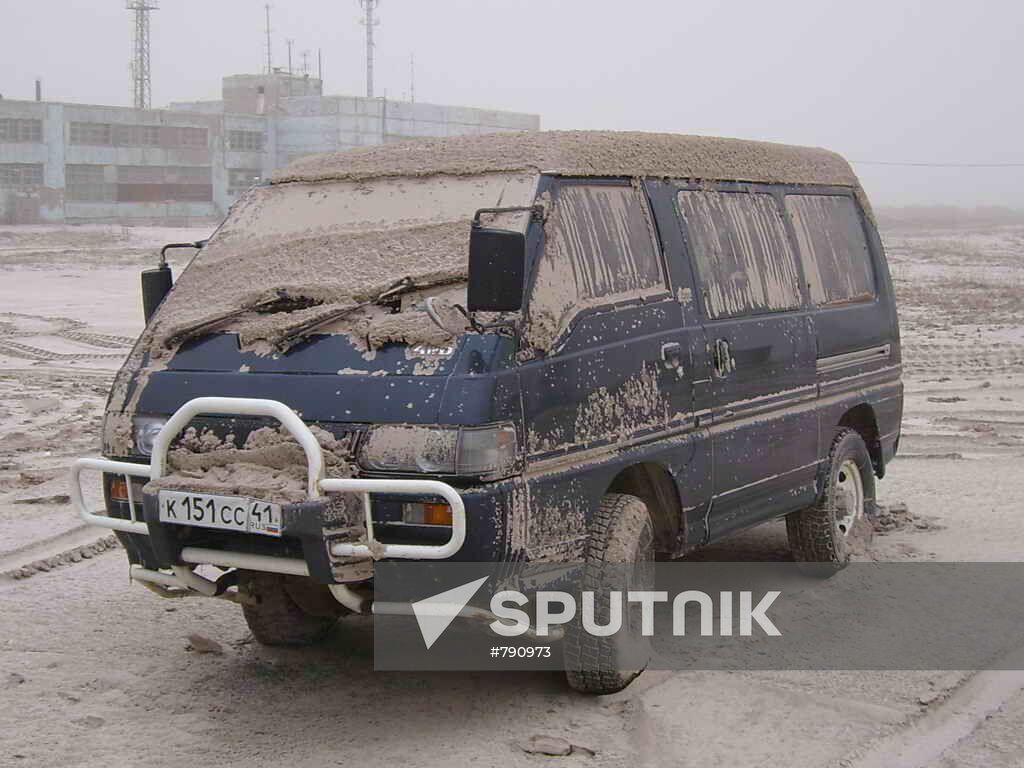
<point>824,532</point>
<point>619,557</point>
<point>287,610</point>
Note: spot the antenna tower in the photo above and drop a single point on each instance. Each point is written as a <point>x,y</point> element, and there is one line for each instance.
<point>142,82</point>
<point>270,63</point>
<point>370,22</point>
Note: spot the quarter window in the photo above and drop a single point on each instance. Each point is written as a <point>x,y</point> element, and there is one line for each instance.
<point>599,247</point>
<point>833,248</point>
<point>741,252</point>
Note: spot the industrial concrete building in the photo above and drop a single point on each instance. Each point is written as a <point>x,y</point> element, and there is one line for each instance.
<point>80,163</point>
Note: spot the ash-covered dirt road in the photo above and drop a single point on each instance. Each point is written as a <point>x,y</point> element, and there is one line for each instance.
<point>95,672</point>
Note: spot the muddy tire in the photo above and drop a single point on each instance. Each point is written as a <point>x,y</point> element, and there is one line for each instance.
<point>824,534</point>
<point>619,557</point>
<point>287,610</point>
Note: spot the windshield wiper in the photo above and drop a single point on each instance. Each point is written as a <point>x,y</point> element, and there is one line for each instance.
<point>393,291</point>
<point>280,302</point>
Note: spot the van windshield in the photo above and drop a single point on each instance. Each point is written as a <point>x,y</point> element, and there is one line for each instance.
<point>289,255</point>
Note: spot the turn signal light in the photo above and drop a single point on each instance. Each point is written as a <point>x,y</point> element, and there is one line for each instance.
<point>427,514</point>
<point>119,489</point>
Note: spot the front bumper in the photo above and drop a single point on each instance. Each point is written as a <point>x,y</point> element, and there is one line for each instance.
<point>302,522</point>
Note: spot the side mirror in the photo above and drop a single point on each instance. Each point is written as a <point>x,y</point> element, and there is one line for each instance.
<point>155,285</point>
<point>497,270</point>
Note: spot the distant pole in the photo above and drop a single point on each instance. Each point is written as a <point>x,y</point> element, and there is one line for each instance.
<point>320,65</point>
<point>370,22</point>
<point>270,65</point>
<point>412,78</point>
<point>142,83</point>
<point>289,42</point>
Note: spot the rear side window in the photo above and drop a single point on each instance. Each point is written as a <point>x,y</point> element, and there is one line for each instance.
<point>599,247</point>
<point>833,248</point>
<point>740,249</point>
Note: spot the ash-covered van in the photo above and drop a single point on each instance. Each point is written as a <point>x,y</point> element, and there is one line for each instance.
<point>506,348</point>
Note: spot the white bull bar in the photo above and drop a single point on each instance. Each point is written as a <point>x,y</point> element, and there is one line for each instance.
<point>316,487</point>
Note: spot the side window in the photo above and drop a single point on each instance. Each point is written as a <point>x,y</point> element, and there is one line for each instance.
<point>598,247</point>
<point>741,252</point>
<point>833,249</point>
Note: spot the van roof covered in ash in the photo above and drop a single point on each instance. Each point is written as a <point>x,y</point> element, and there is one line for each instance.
<point>582,153</point>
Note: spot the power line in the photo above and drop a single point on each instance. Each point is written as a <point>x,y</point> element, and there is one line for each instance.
<point>938,165</point>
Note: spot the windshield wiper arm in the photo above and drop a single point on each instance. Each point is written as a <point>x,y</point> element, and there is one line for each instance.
<point>277,303</point>
<point>396,289</point>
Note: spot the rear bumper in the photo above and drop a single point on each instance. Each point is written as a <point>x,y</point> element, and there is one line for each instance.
<point>317,554</point>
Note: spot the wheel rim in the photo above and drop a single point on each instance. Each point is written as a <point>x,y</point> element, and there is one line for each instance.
<point>849,496</point>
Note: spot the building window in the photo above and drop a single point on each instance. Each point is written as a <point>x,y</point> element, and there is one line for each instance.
<point>188,174</point>
<point>123,135</point>
<point>136,135</point>
<point>191,193</point>
<point>240,179</point>
<point>21,175</point>
<point>16,129</point>
<point>140,174</point>
<point>87,184</point>
<point>96,134</point>
<point>156,183</point>
<point>192,137</point>
<point>149,135</point>
<point>139,183</point>
<point>105,134</point>
<point>246,141</point>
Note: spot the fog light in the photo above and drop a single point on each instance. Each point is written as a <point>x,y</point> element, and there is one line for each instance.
<point>119,489</point>
<point>427,514</point>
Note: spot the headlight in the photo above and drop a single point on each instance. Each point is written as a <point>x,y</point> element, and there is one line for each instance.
<point>144,432</point>
<point>471,451</point>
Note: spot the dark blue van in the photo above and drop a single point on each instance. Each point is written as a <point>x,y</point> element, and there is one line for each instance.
<point>505,348</point>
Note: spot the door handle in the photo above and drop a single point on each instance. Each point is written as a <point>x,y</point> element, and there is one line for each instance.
<point>724,361</point>
<point>672,358</point>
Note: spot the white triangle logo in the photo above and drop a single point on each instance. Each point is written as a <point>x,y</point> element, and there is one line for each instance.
<point>435,613</point>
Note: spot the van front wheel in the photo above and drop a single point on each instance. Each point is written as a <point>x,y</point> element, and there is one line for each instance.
<point>824,532</point>
<point>619,558</point>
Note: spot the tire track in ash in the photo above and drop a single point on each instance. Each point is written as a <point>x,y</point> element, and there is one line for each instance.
<point>102,340</point>
<point>65,328</point>
<point>25,352</point>
<point>977,358</point>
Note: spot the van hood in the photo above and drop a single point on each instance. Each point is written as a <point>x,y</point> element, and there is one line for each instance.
<point>327,379</point>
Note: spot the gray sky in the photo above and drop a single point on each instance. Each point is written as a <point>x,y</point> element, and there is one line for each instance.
<point>894,80</point>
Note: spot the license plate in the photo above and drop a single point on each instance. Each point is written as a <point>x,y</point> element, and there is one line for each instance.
<point>228,513</point>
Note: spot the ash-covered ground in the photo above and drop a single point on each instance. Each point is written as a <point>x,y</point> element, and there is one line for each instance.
<point>96,672</point>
